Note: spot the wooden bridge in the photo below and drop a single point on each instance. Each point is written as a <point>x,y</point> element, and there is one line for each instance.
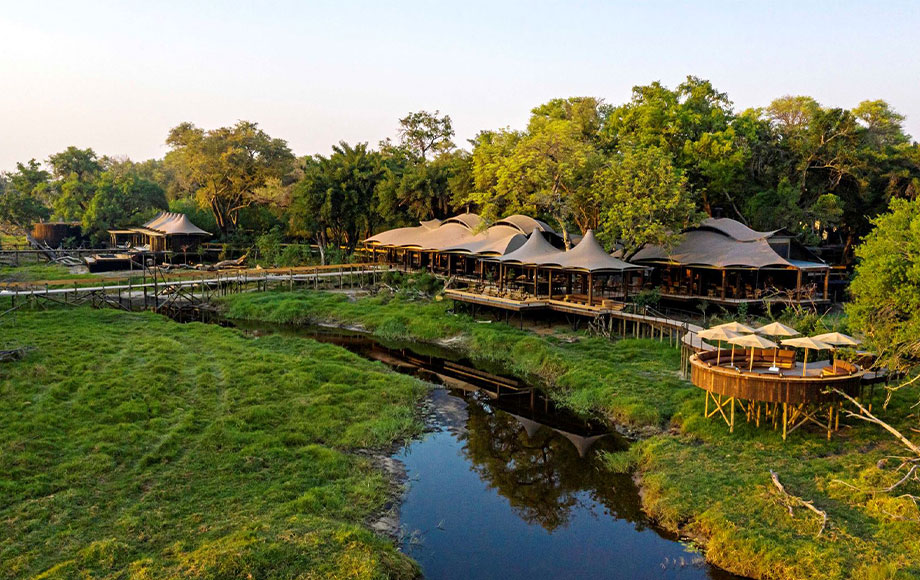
<point>191,289</point>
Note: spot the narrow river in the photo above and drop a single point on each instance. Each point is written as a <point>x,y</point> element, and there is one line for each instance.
<point>505,486</point>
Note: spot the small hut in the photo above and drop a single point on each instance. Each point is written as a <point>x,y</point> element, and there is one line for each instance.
<point>53,234</point>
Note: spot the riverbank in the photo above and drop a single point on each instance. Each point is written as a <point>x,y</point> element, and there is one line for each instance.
<point>696,478</point>
<point>131,445</point>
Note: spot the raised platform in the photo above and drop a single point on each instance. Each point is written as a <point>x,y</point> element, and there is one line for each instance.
<point>800,396</point>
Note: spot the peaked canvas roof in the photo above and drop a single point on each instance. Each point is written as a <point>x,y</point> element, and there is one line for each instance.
<point>172,223</point>
<point>735,229</point>
<point>535,251</point>
<point>589,256</point>
<point>724,243</point>
<point>459,234</point>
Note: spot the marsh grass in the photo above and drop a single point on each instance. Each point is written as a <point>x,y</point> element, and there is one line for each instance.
<point>717,487</point>
<point>632,382</point>
<point>696,477</point>
<point>133,446</point>
<point>55,274</point>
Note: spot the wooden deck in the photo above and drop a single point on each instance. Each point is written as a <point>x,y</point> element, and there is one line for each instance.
<point>788,398</point>
<point>738,301</point>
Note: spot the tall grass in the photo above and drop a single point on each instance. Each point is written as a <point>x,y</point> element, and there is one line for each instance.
<point>632,382</point>
<point>132,446</point>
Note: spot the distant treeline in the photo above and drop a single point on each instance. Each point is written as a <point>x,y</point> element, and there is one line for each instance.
<point>636,172</point>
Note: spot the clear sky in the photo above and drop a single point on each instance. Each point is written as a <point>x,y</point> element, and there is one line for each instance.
<point>117,75</point>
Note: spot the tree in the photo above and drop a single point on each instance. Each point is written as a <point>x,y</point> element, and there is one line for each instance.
<point>74,170</point>
<point>21,195</point>
<point>645,199</point>
<point>546,170</point>
<point>121,200</point>
<point>18,209</point>
<point>334,202</point>
<point>423,133</point>
<point>425,190</point>
<point>885,291</point>
<point>692,124</point>
<point>226,167</point>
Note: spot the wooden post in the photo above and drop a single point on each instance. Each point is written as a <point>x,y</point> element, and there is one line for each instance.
<point>590,288</point>
<point>827,279</point>
<point>723,283</point>
<point>550,277</point>
<point>798,284</point>
<point>731,427</point>
<point>785,422</point>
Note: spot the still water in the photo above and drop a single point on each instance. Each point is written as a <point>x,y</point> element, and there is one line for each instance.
<point>505,486</point>
<point>496,494</point>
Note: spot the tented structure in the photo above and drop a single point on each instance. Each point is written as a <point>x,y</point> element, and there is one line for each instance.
<point>723,260</point>
<point>454,245</point>
<point>167,232</point>
<point>540,269</point>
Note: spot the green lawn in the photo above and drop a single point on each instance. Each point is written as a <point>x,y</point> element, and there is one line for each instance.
<point>132,446</point>
<point>632,382</point>
<point>36,272</point>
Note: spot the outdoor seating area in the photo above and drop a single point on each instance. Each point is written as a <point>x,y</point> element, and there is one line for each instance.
<point>765,376</point>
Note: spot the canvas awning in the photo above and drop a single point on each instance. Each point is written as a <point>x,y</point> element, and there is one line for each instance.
<point>172,223</point>
<point>536,251</point>
<point>589,256</point>
<point>726,243</point>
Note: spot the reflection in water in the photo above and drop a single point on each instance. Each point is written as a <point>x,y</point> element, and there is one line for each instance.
<point>498,493</point>
<point>540,470</point>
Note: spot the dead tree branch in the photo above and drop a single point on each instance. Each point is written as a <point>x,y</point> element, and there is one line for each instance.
<point>791,500</point>
<point>865,415</point>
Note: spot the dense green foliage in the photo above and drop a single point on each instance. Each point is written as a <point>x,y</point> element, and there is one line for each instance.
<point>227,169</point>
<point>886,287</point>
<point>132,446</point>
<point>637,172</point>
<point>632,382</point>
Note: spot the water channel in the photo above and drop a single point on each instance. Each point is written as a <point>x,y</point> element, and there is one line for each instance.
<point>504,485</point>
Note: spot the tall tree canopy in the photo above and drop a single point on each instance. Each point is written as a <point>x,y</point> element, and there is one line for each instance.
<point>645,200</point>
<point>334,202</point>
<point>121,200</point>
<point>886,287</point>
<point>423,134</point>
<point>546,170</point>
<point>74,171</point>
<point>226,167</point>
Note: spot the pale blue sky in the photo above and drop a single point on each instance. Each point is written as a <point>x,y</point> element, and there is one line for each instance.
<point>116,76</point>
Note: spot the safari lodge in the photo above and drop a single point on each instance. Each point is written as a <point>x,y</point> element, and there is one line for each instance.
<point>521,263</point>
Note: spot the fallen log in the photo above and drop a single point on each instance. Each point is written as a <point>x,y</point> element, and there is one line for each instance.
<point>791,500</point>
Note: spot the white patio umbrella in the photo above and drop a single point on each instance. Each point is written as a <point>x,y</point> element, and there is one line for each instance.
<point>736,327</point>
<point>807,342</point>
<point>837,339</point>
<point>776,329</point>
<point>719,334</point>
<point>753,341</point>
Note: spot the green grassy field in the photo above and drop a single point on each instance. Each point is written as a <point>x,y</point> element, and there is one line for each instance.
<point>696,477</point>
<point>34,272</point>
<point>632,382</point>
<point>717,487</point>
<point>135,447</point>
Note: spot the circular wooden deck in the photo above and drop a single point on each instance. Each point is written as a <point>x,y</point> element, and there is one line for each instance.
<point>788,387</point>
